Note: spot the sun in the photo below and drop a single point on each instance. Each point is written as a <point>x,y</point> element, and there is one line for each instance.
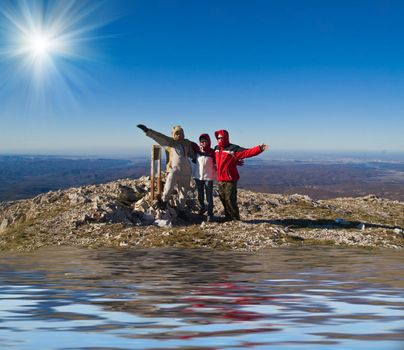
<point>47,46</point>
<point>39,48</point>
<point>40,45</point>
<point>37,34</point>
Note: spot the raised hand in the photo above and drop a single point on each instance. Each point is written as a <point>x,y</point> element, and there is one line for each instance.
<point>143,127</point>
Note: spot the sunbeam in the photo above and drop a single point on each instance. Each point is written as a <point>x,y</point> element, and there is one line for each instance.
<point>46,44</point>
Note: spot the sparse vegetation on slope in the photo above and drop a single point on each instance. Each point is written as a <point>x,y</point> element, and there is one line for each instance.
<point>120,214</point>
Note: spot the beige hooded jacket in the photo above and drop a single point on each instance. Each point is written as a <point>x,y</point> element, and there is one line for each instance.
<point>179,151</point>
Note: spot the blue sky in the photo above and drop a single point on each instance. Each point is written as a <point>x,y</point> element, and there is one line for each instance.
<point>297,75</point>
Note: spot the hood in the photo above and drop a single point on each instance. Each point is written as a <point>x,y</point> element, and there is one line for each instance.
<point>224,141</point>
<point>208,144</point>
<point>175,129</point>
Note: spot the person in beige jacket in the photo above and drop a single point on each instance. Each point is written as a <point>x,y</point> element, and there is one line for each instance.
<point>179,167</point>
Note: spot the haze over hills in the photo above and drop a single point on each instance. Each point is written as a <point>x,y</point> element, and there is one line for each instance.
<point>27,176</point>
<point>324,180</point>
<point>321,176</point>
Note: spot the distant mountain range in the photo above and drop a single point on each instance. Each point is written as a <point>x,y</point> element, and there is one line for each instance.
<point>27,176</point>
<point>320,178</point>
<point>325,180</point>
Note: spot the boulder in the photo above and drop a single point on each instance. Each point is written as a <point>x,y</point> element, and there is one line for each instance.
<point>127,195</point>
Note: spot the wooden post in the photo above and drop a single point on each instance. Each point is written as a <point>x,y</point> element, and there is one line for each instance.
<point>152,174</point>
<point>159,175</point>
<point>155,155</point>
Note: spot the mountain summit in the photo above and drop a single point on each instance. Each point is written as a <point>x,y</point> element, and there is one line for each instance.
<point>121,214</point>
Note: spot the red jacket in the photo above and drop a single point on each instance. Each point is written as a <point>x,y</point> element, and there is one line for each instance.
<point>227,155</point>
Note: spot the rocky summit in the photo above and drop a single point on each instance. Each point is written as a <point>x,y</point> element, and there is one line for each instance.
<point>122,214</point>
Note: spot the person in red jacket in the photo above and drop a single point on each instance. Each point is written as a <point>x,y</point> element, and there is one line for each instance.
<point>227,157</point>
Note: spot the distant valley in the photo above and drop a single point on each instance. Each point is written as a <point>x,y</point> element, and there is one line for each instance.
<point>326,180</point>
<point>27,176</point>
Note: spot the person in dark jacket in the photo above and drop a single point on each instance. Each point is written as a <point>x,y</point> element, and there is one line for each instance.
<point>204,173</point>
<point>227,157</point>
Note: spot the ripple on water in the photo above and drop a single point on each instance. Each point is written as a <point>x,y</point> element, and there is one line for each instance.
<point>194,299</point>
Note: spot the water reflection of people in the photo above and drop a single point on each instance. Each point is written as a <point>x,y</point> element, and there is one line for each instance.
<point>190,281</point>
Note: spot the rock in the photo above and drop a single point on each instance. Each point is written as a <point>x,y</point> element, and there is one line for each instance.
<point>121,213</point>
<point>4,224</point>
<point>148,217</point>
<point>165,218</point>
<point>83,220</point>
<point>163,223</point>
<point>116,214</point>
<point>141,190</point>
<point>371,198</point>
<point>78,198</point>
<point>298,197</point>
<point>142,205</point>
<point>273,202</point>
<point>126,195</point>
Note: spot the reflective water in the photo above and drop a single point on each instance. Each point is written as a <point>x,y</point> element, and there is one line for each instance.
<point>300,298</point>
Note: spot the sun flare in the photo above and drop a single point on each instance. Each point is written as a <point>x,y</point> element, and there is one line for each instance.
<point>39,45</point>
<point>48,45</point>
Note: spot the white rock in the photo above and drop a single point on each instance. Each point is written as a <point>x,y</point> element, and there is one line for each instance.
<point>163,223</point>
<point>4,225</point>
<point>165,218</point>
<point>78,198</point>
<point>142,205</point>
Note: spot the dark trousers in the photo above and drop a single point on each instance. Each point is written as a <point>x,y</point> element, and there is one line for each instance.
<point>228,196</point>
<point>205,186</point>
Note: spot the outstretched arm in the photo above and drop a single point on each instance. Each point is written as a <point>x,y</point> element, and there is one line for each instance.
<point>161,139</point>
<point>251,152</point>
